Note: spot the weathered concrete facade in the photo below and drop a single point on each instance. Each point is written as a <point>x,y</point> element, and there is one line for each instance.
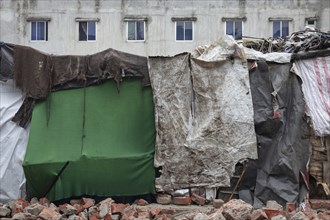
<point>159,29</point>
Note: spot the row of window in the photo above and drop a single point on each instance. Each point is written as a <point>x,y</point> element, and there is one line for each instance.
<point>136,29</point>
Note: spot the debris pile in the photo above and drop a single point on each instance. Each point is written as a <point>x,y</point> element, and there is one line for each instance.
<point>298,41</point>
<point>86,208</point>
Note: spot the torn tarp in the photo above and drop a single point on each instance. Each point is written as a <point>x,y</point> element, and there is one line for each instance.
<point>204,117</point>
<point>315,74</point>
<point>37,73</point>
<point>279,110</point>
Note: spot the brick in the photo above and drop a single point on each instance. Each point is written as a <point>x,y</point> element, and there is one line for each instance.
<point>218,203</point>
<point>182,200</point>
<point>163,199</point>
<point>167,211</point>
<point>272,212</point>
<point>258,214</point>
<point>319,204</point>
<point>118,207</point>
<point>290,206</point>
<point>4,212</point>
<point>236,209</point>
<point>49,214</point>
<point>53,207</point>
<point>87,202</point>
<point>200,200</point>
<point>94,216</point>
<point>44,201</point>
<point>79,208</point>
<point>34,209</point>
<point>141,202</point>
<point>129,214</point>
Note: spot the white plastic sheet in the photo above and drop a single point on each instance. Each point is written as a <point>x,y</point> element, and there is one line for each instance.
<point>13,142</point>
<point>315,74</point>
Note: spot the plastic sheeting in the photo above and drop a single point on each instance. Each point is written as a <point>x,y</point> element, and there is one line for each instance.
<point>283,151</point>
<point>204,126</point>
<point>92,141</point>
<point>315,74</point>
<point>13,141</point>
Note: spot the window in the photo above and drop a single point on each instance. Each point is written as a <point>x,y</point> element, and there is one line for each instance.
<point>234,28</point>
<point>87,31</point>
<point>135,30</point>
<point>184,30</point>
<point>280,29</point>
<point>39,31</point>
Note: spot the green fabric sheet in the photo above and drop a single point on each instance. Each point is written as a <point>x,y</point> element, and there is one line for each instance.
<point>104,142</point>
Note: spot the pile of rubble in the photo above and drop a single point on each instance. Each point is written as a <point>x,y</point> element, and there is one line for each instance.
<point>306,40</point>
<point>108,209</point>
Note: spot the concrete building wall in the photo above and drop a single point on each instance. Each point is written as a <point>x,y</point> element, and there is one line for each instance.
<point>160,29</point>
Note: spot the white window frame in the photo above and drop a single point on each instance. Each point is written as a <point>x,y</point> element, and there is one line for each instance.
<point>144,30</point>
<point>281,27</point>
<point>45,28</point>
<point>95,21</point>
<point>313,20</point>
<point>234,20</point>
<point>193,31</point>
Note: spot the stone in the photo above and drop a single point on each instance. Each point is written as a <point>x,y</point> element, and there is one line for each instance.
<point>129,214</point>
<point>94,216</point>
<point>79,208</point>
<point>34,209</point>
<point>319,204</point>
<point>104,210</point>
<point>83,215</point>
<point>218,203</point>
<point>182,200</point>
<point>201,216</point>
<point>258,214</point>
<point>74,217</point>
<point>236,209</point>
<point>199,200</point>
<point>278,217</point>
<point>68,209</point>
<point>4,212</point>
<point>164,199</point>
<point>118,207</point>
<point>273,205</point>
<point>53,207</point>
<point>108,201</point>
<point>87,202</point>
<point>299,216</point>
<point>141,202</point>
<point>49,214</point>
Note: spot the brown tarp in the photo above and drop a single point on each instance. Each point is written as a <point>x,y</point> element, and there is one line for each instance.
<point>37,73</point>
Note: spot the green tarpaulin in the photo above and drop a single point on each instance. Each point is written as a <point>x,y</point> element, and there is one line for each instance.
<point>92,141</point>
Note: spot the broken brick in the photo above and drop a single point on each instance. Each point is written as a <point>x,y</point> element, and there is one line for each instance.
<point>118,207</point>
<point>198,199</point>
<point>319,204</point>
<point>144,215</point>
<point>290,206</point>
<point>4,212</point>
<point>258,214</point>
<point>34,209</point>
<point>163,199</point>
<point>87,202</point>
<point>141,202</point>
<point>44,201</point>
<point>182,200</point>
<point>47,213</point>
<point>272,212</point>
<point>74,201</point>
<point>218,203</point>
<point>155,211</point>
<point>68,209</point>
<point>236,209</point>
